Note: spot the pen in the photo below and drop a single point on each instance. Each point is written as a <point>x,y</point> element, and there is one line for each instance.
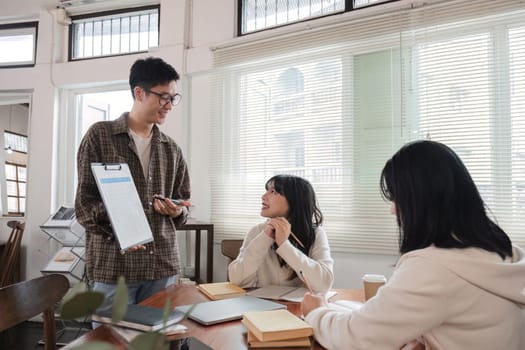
<point>297,239</point>
<point>306,282</point>
<point>181,202</point>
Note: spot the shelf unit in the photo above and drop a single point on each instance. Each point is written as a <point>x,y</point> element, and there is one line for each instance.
<point>69,260</point>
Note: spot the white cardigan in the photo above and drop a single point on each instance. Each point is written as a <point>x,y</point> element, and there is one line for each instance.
<point>449,298</point>
<point>257,264</point>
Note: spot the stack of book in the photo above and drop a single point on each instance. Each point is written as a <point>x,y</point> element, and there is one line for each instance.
<point>276,329</point>
<point>221,290</point>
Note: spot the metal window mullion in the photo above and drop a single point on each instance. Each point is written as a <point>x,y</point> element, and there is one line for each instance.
<point>120,36</point>
<point>138,32</point>
<point>101,38</point>
<point>287,11</point>
<point>149,30</point>
<point>84,40</point>
<point>17,190</point>
<point>265,13</point>
<point>256,7</point>
<point>92,38</point>
<point>111,36</point>
<point>129,33</point>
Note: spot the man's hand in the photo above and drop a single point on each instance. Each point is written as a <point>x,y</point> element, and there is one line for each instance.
<point>137,247</point>
<point>167,207</point>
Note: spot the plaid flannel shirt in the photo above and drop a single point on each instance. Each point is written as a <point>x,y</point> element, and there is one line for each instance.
<point>110,142</point>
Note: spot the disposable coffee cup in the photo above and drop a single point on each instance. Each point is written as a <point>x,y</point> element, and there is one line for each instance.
<point>372,284</point>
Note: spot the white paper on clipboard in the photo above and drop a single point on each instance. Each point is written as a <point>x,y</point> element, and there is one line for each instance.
<point>122,203</point>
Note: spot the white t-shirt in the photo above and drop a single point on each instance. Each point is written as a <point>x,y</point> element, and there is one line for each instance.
<point>143,150</point>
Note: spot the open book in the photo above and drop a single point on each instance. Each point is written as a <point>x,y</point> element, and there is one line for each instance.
<point>288,293</point>
<point>276,325</point>
<point>221,290</point>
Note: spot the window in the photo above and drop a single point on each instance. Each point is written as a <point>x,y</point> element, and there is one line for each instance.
<point>335,106</point>
<point>15,175</point>
<point>256,15</point>
<point>15,172</point>
<point>87,107</point>
<point>15,142</point>
<point>114,33</point>
<point>18,44</point>
<point>14,121</point>
<point>364,3</point>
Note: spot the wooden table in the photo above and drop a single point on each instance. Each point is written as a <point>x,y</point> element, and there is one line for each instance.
<point>198,226</point>
<point>224,336</point>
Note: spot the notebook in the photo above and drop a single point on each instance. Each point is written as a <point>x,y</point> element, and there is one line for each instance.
<point>216,311</point>
<point>288,293</point>
<point>144,318</point>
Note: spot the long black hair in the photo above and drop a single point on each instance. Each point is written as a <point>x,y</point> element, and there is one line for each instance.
<point>304,215</point>
<point>437,201</point>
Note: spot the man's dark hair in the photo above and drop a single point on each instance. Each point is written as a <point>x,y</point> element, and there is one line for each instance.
<point>150,72</point>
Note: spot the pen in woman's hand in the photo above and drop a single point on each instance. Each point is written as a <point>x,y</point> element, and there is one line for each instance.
<point>306,282</point>
<point>297,239</point>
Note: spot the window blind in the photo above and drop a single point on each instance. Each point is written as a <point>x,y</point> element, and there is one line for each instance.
<point>334,103</point>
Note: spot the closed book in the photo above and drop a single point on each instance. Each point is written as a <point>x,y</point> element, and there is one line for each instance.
<point>253,342</point>
<point>221,290</point>
<point>276,325</point>
<point>144,318</point>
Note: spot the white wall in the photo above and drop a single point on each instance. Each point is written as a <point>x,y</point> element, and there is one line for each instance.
<point>185,43</point>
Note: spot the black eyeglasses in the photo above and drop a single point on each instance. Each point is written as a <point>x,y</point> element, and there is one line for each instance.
<point>164,99</point>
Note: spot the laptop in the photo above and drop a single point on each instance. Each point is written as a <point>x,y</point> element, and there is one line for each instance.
<point>216,311</point>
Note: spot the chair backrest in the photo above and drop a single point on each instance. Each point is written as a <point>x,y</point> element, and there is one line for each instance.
<point>10,259</point>
<point>230,248</point>
<point>21,301</point>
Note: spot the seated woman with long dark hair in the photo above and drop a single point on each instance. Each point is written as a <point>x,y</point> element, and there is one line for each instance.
<point>459,284</point>
<point>291,241</point>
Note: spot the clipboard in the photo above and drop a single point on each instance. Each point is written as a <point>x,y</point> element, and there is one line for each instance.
<point>122,203</point>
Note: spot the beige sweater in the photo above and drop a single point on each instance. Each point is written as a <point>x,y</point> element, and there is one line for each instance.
<point>257,264</point>
<point>453,299</point>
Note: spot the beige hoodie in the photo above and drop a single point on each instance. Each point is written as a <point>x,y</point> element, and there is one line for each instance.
<point>450,298</point>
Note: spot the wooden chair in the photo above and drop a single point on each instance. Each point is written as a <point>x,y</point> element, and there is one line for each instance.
<point>10,260</point>
<point>230,248</point>
<point>21,301</point>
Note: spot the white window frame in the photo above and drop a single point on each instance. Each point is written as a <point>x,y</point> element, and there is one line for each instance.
<point>102,43</point>
<point>69,134</point>
<point>20,29</point>
<point>273,19</point>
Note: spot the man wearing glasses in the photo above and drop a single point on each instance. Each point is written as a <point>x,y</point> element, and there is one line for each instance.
<point>158,168</point>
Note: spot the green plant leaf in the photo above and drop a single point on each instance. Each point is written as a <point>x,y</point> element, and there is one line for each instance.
<point>120,303</point>
<point>96,345</point>
<point>76,289</point>
<point>149,341</point>
<point>166,313</point>
<point>81,304</point>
